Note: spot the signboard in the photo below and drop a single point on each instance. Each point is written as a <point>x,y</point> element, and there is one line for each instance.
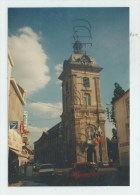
<point>25,119</point>
<point>21,127</point>
<point>14,140</point>
<point>13,124</point>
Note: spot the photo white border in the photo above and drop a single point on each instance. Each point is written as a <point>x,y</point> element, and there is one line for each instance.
<point>134,187</point>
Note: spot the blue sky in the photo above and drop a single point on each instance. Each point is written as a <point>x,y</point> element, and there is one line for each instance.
<point>40,39</point>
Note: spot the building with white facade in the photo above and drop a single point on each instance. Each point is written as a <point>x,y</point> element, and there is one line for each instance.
<point>16,102</point>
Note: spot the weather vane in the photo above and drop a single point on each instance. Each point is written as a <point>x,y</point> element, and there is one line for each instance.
<point>81,35</point>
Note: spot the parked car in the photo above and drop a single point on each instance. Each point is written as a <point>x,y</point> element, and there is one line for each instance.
<point>35,167</point>
<point>84,171</point>
<point>46,171</point>
<point>103,165</point>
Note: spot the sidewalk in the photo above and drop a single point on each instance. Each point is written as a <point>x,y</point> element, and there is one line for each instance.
<point>20,183</point>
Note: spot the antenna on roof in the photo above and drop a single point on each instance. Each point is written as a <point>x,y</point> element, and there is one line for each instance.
<point>81,35</point>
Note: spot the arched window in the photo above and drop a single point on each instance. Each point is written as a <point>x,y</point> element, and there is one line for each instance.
<point>87,99</point>
<point>86,82</point>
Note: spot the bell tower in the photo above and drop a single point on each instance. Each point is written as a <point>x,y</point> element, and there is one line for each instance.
<point>83,115</point>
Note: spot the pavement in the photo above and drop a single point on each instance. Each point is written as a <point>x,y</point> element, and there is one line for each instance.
<point>27,183</point>
<point>109,176</point>
<point>20,183</point>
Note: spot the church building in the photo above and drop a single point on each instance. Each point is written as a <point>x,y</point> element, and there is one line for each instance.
<point>83,118</point>
<point>81,133</point>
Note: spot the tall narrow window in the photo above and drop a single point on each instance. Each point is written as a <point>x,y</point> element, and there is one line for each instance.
<point>127,106</point>
<point>87,99</point>
<point>127,131</point>
<point>86,82</point>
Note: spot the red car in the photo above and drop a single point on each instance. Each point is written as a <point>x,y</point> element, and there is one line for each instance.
<point>83,171</point>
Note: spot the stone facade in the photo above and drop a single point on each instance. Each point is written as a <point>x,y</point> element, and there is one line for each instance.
<point>15,113</point>
<point>121,109</point>
<point>83,114</point>
<point>16,103</point>
<point>9,70</point>
<point>81,135</point>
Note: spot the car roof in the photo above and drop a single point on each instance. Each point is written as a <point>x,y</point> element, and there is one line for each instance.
<point>84,163</point>
<point>46,164</point>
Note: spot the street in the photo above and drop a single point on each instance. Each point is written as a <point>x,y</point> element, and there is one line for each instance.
<point>108,177</point>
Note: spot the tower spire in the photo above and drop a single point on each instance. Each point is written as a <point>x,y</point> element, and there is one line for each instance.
<point>81,35</point>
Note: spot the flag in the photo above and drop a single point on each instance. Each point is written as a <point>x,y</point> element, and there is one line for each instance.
<point>100,131</point>
<point>98,139</point>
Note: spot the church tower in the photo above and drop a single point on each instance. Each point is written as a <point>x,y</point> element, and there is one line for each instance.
<point>83,116</point>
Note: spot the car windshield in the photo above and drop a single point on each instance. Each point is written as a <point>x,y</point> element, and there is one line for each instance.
<point>84,168</point>
<point>47,167</point>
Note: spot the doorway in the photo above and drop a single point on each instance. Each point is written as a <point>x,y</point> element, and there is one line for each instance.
<point>91,154</point>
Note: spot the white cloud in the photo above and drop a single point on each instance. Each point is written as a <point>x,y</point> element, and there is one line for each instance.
<point>36,129</point>
<point>53,110</point>
<point>58,68</point>
<point>31,70</point>
<point>29,32</point>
